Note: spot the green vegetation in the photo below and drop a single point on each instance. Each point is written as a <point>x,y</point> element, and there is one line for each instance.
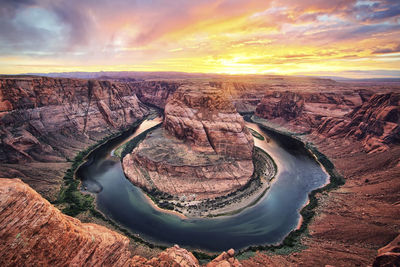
<point>118,150</point>
<point>129,146</point>
<point>292,242</point>
<point>203,257</point>
<point>160,198</point>
<point>256,134</point>
<point>75,202</point>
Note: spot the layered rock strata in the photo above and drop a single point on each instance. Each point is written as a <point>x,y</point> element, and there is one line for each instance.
<point>225,259</point>
<point>202,151</point>
<point>34,233</point>
<point>154,93</point>
<point>374,121</point>
<point>45,122</point>
<point>389,255</point>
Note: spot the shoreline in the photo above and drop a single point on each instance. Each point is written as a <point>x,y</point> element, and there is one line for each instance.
<point>265,171</point>
<point>156,207</point>
<point>291,241</point>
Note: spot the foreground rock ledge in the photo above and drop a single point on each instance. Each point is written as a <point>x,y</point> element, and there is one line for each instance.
<point>34,233</point>
<point>202,151</point>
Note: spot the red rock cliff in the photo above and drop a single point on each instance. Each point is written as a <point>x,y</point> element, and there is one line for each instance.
<point>44,122</point>
<point>34,233</point>
<point>204,116</point>
<point>203,150</point>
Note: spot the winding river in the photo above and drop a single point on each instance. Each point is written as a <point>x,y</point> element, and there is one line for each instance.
<point>267,222</point>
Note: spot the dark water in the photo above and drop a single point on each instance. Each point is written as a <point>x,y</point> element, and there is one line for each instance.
<point>267,222</point>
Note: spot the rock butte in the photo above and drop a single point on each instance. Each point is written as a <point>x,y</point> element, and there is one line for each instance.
<point>202,151</point>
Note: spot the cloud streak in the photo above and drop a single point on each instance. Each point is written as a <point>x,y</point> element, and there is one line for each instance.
<point>234,36</point>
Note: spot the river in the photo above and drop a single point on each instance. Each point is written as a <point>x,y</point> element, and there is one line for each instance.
<point>267,222</point>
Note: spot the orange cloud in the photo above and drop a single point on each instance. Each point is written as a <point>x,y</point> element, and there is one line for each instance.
<point>233,36</point>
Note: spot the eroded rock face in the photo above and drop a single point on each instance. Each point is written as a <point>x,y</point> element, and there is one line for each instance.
<point>44,122</point>
<point>154,93</point>
<point>225,259</point>
<point>202,151</point>
<point>39,115</point>
<point>374,120</point>
<point>203,116</point>
<point>34,233</point>
<point>289,106</point>
<point>389,255</point>
<point>376,123</point>
<point>174,256</point>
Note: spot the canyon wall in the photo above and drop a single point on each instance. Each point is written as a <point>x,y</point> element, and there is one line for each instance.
<point>34,233</point>
<point>203,150</point>
<point>372,120</point>
<point>154,93</point>
<point>343,234</point>
<point>204,116</point>
<point>45,122</point>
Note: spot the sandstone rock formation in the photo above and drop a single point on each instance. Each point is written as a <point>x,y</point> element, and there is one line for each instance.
<point>376,123</point>
<point>225,259</point>
<point>288,107</point>
<point>204,117</point>
<point>389,255</point>
<point>375,120</point>
<point>174,256</point>
<point>203,150</point>
<point>34,233</point>
<point>306,108</point>
<point>154,93</point>
<point>38,114</point>
<point>50,120</point>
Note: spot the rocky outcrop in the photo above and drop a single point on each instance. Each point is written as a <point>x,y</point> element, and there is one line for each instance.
<point>376,123</point>
<point>204,117</point>
<point>374,120</point>
<point>48,120</point>
<point>174,256</point>
<point>154,93</point>
<point>225,259</point>
<point>288,107</point>
<point>203,150</point>
<point>34,233</point>
<point>389,255</point>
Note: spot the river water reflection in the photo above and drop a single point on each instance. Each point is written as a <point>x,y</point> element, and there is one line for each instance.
<point>267,222</point>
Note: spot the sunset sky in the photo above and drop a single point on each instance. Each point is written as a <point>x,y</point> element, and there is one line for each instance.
<point>359,39</point>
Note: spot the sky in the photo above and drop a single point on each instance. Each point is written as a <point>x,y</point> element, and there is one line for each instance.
<point>348,38</point>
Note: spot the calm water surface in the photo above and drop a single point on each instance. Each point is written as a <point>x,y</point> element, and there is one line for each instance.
<point>267,222</point>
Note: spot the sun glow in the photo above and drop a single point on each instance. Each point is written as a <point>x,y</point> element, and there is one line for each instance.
<point>241,37</point>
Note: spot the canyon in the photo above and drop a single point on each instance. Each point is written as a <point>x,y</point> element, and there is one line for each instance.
<point>45,122</point>
<point>202,151</point>
<point>36,233</point>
